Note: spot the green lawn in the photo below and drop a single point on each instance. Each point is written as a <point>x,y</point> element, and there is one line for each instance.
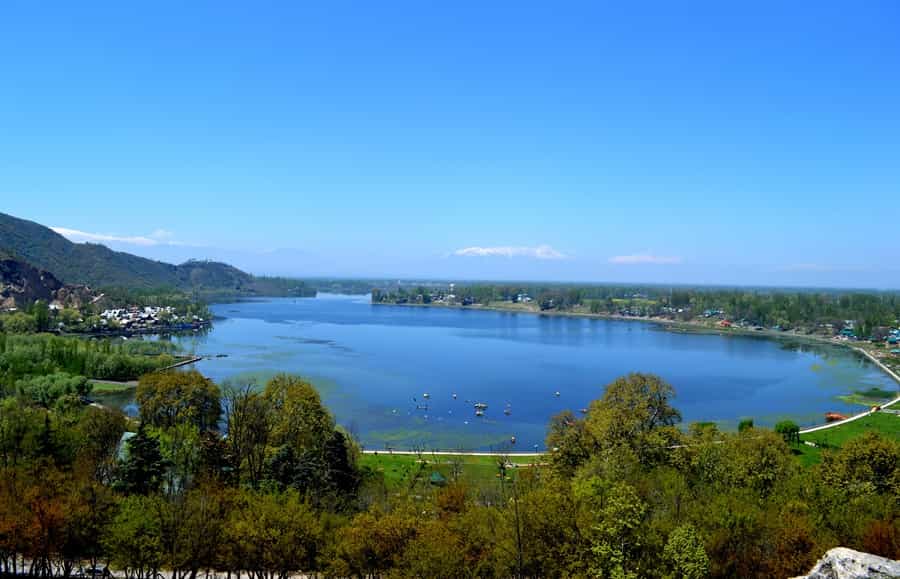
<point>405,469</point>
<point>108,386</point>
<point>884,423</point>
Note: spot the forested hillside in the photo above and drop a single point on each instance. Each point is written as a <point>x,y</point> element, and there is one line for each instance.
<point>100,267</point>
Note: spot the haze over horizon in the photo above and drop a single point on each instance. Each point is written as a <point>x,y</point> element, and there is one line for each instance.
<point>753,145</point>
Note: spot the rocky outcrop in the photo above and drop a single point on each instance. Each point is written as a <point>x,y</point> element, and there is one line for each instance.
<point>843,563</point>
<point>22,284</point>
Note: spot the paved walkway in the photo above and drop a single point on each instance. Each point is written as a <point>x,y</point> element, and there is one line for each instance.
<point>453,452</point>
<point>887,371</point>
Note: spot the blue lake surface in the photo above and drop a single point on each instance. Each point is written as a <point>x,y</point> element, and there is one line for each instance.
<point>373,364</point>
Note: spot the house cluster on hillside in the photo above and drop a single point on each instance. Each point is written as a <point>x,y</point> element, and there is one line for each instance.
<point>136,318</point>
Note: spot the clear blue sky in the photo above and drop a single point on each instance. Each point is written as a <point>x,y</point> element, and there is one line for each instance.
<point>719,142</point>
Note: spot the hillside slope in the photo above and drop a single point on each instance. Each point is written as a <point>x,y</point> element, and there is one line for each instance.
<point>98,266</point>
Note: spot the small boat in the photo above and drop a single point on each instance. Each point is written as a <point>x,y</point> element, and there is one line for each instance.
<point>454,395</point>
<point>421,407</point>
<point>584,410</point>
<point>556,393</point>
<point>512,439</point>
<point>481,406</point>
<point>479,412</point>
<point>507,411</point>
<point>426,396</point>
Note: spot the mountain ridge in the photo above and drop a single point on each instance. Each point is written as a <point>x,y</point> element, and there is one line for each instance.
<point>98,266</point>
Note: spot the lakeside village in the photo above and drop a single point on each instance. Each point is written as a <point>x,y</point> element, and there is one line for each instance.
<point>126,320</point>
<point>148,318</point>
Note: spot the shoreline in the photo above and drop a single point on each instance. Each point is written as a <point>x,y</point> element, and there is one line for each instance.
<point>668,324</point>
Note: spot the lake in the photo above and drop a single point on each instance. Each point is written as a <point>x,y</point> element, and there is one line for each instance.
<point>374,364</point>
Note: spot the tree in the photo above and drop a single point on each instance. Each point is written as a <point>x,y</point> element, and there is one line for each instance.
<point>249,430</point>
<point>274,535</point>
<point>41,313</point>
<point>635,412</point>
<point>615,512</point>
<point>789,430</point>
<point>19,323</point>
<point>867,464</point>
<point>296,412</point>
<point>169,398</point>
<point>46,390</point>
<point>685,553</point>
<point>100,431</point>
<point>569,443</point>
<point>133,540</point>
<point>144,468</point>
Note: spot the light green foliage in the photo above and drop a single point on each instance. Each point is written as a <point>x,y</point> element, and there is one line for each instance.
<point>19,323</point>
<point>789,430</point>
<point>46,390</point>
<point>134,538</point>
<point>684,551</point>
<point>868,464</point>
<point>635,412</point>
<point>167,399</point>
<point>615,513</point>
<point>36,355</point>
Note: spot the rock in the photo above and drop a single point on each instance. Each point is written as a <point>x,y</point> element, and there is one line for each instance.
<point>843,563</point>
<point>22,284</point>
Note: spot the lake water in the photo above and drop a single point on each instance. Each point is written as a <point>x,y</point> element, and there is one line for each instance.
<point>373,364</point>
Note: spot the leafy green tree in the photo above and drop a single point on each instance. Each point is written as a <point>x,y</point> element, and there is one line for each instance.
<point>144,469</point>
<point>134,538</point>
<point>616,513</point>
<point>275,535</point>
<point>867,464</point>
<point>166,399</point>
<point>789,430</point>
<point>46,390</point>
<point>685,553</point>
<point>41,313</point>
<point>569,442</point>
<point>249,431</point>
<point>635,412</point>
<point>19,323</point>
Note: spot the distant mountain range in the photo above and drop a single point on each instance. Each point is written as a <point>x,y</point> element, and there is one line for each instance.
<point>98,266</point>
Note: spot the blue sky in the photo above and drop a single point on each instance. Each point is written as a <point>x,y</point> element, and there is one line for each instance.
<point>740,143</point>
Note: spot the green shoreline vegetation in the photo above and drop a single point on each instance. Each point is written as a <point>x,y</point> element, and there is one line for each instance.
<point>623,491</point>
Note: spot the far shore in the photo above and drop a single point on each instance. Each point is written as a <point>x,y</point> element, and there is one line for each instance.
<point>673,326</point>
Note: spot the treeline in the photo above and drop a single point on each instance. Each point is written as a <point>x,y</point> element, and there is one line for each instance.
<point>624,493</point>
<point>36,355</point>
<point>765,307</point>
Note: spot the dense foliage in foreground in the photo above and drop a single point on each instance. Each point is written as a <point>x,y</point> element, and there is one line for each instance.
<point>623,493</point>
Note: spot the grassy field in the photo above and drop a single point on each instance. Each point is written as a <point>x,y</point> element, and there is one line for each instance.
<point>108,386</point>
<point>407,470</point>
<point>884,423</point>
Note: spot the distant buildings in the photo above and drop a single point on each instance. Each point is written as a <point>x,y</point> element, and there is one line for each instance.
<point>148,317</point>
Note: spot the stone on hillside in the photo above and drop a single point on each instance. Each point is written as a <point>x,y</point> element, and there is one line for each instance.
<point>843,563</point>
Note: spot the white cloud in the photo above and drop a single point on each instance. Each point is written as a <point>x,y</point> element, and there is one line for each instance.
<point>158,237</point>
<point>644,258</point>
<point>537,252</point>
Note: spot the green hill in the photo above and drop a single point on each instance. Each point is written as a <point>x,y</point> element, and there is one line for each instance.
<point>98,266</point>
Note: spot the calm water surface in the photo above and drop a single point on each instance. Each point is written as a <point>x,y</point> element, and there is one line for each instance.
<point>374,363</point>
